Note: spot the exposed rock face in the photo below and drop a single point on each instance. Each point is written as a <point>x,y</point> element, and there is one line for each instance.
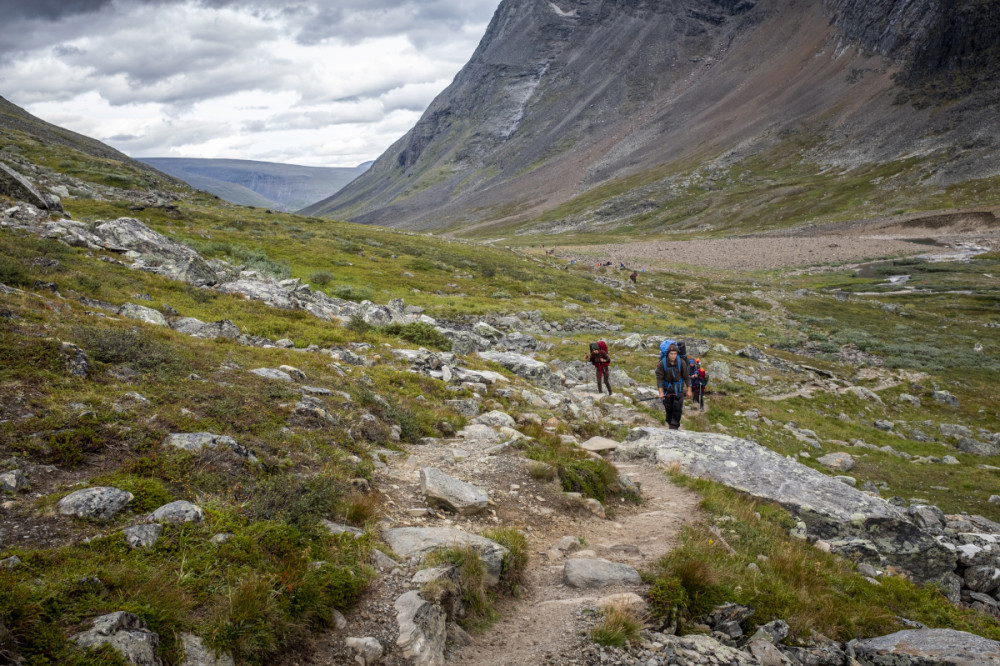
<point>196,441</point>
<point>928,647</point>
<point>158,253</point>
<point>561,97</point>
<point>422,630</point>
<point>199,329</point>
<point>524,366</point>
<point>16,186</point>
<point>127,634</point>
<point>829,509</point>
<point>142,313</point>
<point>197,654</point>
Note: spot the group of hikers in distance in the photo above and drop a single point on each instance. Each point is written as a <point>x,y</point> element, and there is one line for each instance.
<point>677,377</point>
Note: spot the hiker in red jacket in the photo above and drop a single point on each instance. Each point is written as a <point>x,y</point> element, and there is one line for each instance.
<point>601,360</point>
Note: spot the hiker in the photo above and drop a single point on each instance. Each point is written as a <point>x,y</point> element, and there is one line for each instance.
<point>674,382</point>
<point>633,276</point>
<point>699,378</point>
<point>601,360</point>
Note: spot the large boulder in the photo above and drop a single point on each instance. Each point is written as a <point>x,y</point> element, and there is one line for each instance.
<point>180,511</point>
<point>270,293</point>
<point>16,186</point>
<point>142,313</point>
<point>587,573</point>
<point>418,542</point>
<point>449,493</point>
<point>829,509</point>
<point>196,441</point>
<point>98,503</point>
<point>422,630</point>
<point>199,329</point>
<point>127,634</point>
<point>197,654</point>
<point>156,253</point>
<point>524,366</point>
<point>927,647</point>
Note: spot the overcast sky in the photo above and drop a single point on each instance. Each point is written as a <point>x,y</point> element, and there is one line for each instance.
<point>313,82</point>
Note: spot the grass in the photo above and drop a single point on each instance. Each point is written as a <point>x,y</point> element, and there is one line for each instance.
<point>618,626</point>
<point>814,591</point>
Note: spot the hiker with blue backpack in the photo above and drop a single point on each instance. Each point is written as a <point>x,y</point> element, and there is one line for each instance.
<point>673,380</point>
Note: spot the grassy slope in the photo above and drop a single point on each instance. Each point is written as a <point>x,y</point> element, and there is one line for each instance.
<point>257,594</point>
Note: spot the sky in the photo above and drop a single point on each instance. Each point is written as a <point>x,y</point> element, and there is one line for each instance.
<point>312,82</point>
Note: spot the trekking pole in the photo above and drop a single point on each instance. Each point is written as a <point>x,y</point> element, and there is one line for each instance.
<point>655,397</point>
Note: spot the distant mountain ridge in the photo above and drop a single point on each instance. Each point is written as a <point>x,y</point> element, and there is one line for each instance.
<point>274,185</point>
<point>643,115</point>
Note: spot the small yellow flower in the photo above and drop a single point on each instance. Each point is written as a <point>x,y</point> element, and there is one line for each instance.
<point>710,542</point>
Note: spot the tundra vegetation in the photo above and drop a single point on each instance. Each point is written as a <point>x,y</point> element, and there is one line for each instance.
<point>279,574</point>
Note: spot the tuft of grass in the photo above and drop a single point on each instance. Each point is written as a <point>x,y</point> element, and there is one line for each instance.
<point>515,562</point>
<point>619,625</point>
<point>476,598</point>
<point>541,471</point>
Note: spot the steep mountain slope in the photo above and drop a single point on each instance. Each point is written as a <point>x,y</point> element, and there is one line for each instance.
<point>657,115</point>
<point>262,184</point>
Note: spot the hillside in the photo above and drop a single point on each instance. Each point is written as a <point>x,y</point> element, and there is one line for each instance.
<point>229,435</point>
<point>261,184</point>
<point>689,116</point>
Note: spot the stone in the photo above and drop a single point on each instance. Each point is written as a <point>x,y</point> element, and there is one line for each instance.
<point>594,573</point>
<point>599,445</point>
<point>142,313</point>
<point>479,433</point>
<point>196,653</point>
<point>14,481</point>
<point>159,254</point>
<point>837,461</point>
<point>568,544</point>
<point>767,654</point>
<point>11,562</point>
<point>127,634</point>
<point>928,647</point>
<point>443,572</point>
<point>927,516</point>
<point>422,630</point>
<point>627,600</point>
<point>271,373</point>
<point>75,360</point>
<point>828,509</point>
<point>367,649</point>
<point>196,441</point>
<point>977,448</point>
<point>983,578</point>
<point>467,408</point>
<point>223,328</point>
<point>418,542</point>
<point>100,503</point>
<point>382,562</point>
<point>946,398</point>
<point>142,536</point>
<point>337,528</point>
<point>293,372</point>
<point>446,492</point>
<point>773,632</point>
<point>524,366</point>
<point>495,419</point>
<point>909,399</point>
<point>17,187</point>
<point>180,511</point>
<point>954,430</point>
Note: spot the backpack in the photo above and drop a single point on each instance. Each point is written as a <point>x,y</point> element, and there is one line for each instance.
<point>681,351</point>
<point>675,387</point>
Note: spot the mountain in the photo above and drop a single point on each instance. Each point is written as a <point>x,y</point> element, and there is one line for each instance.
<point>261,184</point>
<point>643,116</point>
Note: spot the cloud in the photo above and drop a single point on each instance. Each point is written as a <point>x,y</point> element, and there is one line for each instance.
<point>243,78</point>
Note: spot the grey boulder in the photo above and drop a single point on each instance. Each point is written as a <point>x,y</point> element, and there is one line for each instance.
<point>422,630</point>
<point>158,254</point>
<point>586,573</point>
<point>199,329</point>
<point>524,366</point>
<point>450,493</point>
<point>98,503</point>
<point>177,512</point>
<point>127,634</point>
<point>197,654</point>
<point>927,647</point>
<point>142,313</point>
<point>418,542</point>
<point>142,536</point>
<point>196,441</point>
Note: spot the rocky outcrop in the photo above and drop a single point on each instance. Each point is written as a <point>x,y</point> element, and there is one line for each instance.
<point>927,647</point>
<point>828,509</point>
<point>127,634</point>
<point>417,542</point>
<point>154,252</point>
<point>524,366</point>
<point>16,186</point>
<point>98,503</point>
<point>422,630</point>
<point>196,441</point>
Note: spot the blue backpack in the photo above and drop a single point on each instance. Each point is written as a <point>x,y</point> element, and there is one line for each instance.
<point>676,387</point>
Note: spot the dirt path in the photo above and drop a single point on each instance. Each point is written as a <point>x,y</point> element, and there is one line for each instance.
<point>541,627</point>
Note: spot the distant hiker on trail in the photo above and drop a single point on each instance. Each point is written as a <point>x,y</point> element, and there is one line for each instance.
<point>621,265</point>
<point>633,277</point>
<point>699,379</point>
<point>674,382</point>
<point>601,360</point>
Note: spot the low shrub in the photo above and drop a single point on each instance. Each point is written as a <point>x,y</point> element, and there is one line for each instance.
<point>419,333</point>
<point>619,625</point>
<point>515,562</point>
<point>322,278</point>
<point>352,293</point>
<point>13,274</point>
<point>592,478</point>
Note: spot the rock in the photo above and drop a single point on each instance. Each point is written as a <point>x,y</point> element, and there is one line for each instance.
<point>928,647</point>
<point>220,538</point>
<point>589,573</point>
<point>270,373</point>
<point>595,507</point>
<point>767,654</point>
<point>417,542</point>
<point>293,372</point>
<point>178,512</point>
<point>159,254</point>
<point>196,441</point>
<point>568,544</point>
<point>422,630</point>
<point>927,516</point>
<point>863,393</point>
<point>368,650</point>
<point>382,562</point>
<point>15,481</point>
<point>829,509</point>
<point>484,330</point>
<point>75,360</point>
<point>524,366</point>
<point>127,634</point>
<point>467,408</point>
<point>773,632</point>
<point>633,341</point>
<point>627,600</point>
<point>478,433</point>
<point>984,578</point>
<point>718,370</point>
<point>98,503</point>
<point>495,419</point>
<point>11,562</point>
<point>837,461</point>
<point>257,290</point>
<point>199,329</point>
<point>337,528</point>
<point>945,397</point>
<point>443,491</point>
<point>458,637</point>
<point>443,572</point>
<point>17,187</point>
<point>376,315</point>
<point>976,448</point>
<point>142,536</point>
<point>954,430</point>
<point>599,445</point>
<point>197,654</point>
<point>884,425</point>
<point>142,313</point>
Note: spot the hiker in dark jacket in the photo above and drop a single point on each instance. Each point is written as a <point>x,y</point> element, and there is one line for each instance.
<point>674,383</point>
<point>601,360</point>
